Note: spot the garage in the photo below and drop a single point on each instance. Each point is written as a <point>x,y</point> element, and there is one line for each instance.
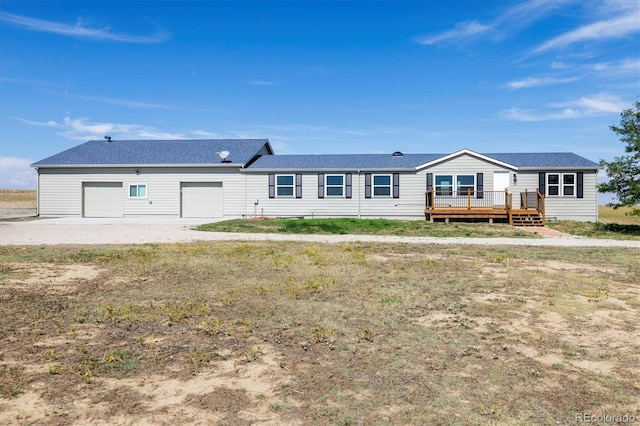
<point>201,199</point>
<point>103,199</point>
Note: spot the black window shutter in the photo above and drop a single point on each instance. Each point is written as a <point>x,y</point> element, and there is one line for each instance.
<point>272,185</point>
<point>429,181</point>
<point>396,185</point>
<point>480,185</point>
<point>320,185</point>
<point>298,185</point>
<point>367,185</point>
<point>348,185</point>
<point>542,183</point>
<point>580,188</point>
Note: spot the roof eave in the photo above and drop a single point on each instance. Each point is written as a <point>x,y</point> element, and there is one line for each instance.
<point>334,170</point>
<point>558,168</point>
<point>113,166</point>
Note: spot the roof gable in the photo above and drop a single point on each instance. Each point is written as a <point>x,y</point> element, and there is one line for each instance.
<point>159,152</point>
<point>465,151</point>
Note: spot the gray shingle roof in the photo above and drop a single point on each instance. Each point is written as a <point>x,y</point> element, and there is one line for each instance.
<point>411,161</point>
<point>541,160</point>
<point>156,152</point>
<point>242,151</point>
<point>342,161</point>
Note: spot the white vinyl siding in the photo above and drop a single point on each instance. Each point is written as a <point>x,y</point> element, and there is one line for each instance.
<point>60,190</point>
<point>410,205</point>
<point>564,208</point>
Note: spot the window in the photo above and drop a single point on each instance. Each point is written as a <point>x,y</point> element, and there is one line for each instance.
<point>568,184</point>
<point>284,185</point>
<point>382,186</point>
<point>335,185</point>
<point>444,185</point>
<point>138,190</point>
<point>464,183</point>
<point>561,184</point>
<point>553,184</point>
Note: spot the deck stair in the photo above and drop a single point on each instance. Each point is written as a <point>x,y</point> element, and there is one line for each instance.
<point>527,219</point>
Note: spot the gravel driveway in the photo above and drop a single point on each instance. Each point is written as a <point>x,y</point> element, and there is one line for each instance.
<point>145,230</point>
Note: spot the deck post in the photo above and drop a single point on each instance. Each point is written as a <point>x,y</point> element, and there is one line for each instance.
<point>508,202</point>
<point>468,199</point>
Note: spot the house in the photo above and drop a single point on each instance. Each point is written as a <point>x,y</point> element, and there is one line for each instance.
<point>240,178</point>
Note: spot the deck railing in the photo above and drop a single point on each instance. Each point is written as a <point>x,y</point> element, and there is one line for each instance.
<point>468,199</point>
<point>533,200</point>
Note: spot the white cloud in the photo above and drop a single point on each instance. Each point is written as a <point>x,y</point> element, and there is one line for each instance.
<point>519,114</point>
<point>533,81</point>
<point>622,67</point>
<point>79,30</point>
<point>205,134</point>
<point>614,28</point>
<point>122,102</point>
<point>261,83</point>
<point>584,107</point>
<point>519,15</point>
<point>594,105</point>
<point>462,30</point>
<point>15,173</point>
<point>40,123</point>
<point>29,82</point>
<point>84,129</point>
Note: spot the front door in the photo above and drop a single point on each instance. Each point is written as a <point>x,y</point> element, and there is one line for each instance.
<point>500,183</point>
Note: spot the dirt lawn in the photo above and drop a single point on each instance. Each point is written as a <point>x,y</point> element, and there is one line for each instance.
<point>308,333</point>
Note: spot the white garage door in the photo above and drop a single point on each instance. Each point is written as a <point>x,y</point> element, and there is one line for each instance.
<point>202,199</point>
<point>103,199</point>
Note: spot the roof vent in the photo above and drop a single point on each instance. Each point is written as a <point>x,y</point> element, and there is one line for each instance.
<point>107,138</point>
<point>398,154</point>
<point>223,156</point>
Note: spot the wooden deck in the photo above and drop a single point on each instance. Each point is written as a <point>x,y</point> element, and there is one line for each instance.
<point>490,205</point>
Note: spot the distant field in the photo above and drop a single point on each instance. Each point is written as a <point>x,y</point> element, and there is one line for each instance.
<point>621,216</point>
<point>17,199</point>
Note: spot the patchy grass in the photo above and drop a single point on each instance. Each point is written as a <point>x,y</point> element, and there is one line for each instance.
<point>301,333</point>
<point>368,227</point>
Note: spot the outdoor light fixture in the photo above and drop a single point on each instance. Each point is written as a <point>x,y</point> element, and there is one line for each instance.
<point>137,171</point>
<point>515,178</point>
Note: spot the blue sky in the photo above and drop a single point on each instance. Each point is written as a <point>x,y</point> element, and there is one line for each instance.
<point>330,76</point>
